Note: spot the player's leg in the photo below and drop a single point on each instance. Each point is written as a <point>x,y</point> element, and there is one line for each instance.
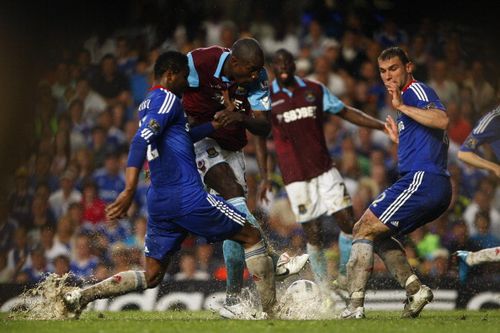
<point>162,240</point>
<point>479,257</point>
<point>124,282</point>
<point>259,263</point>
<point>345,221</point>
<point>315,249</point>
<point>360,265</point>
<point>338,202</point>
<point>217,220</point>
<point>393,254</point>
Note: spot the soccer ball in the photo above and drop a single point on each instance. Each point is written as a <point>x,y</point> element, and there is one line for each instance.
<point>303,291</point>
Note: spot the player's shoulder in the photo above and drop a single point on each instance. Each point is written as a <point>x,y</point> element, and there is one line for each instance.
<point>489,120</point>
<point>161,100</point>
<point>419,91</point>
<point>205,55</point>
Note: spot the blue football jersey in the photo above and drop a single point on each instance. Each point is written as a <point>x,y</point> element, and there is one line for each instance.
<point>175,183</point>
<point>421,148</point>
<point>487,130</point>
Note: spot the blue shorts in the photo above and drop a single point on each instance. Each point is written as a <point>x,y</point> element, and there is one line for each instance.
<point>213,219</point>
<point>416,199</point>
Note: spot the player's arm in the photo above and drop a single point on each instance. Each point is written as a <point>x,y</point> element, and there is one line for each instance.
<point>258,122</point>
<point>430,117</point>
<point>467,154</point>
<point>360,118</point>
<point>261,155</point>
<point>150,128</point>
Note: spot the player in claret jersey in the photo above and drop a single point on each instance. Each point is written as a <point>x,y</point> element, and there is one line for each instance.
<point>231,85</point>
<point>177,201</point>
<point>420,196</point>
<point>313,184</point>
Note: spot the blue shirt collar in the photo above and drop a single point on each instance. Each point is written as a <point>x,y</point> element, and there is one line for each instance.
<point>218,71</point>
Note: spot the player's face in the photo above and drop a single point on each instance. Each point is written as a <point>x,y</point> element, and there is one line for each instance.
<point>245,72</point>
<point>178,82</point>
<point>393,70</point>
<point>284,68</point>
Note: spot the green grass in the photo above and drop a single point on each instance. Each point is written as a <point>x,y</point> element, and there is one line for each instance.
<point>205,322</point>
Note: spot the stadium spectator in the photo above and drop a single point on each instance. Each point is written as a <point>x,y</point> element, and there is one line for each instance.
<point>84,262</point>
<point>61,199</point>
<point>93,103</point>
<point>50,247</point>
<point>93,206</point>
<point>109,179</point>
<point>189,269</point>
<point>19,200</point>
<point>112,85</point>
<point>37,269</point>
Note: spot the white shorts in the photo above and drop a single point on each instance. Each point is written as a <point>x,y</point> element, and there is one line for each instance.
<point>325,194</point>
<point>209,153</point>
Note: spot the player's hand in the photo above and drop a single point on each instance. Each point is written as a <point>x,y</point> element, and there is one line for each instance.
<point>265,186</point>
<point>391,129</point>
<point>227,101</point>
<point>118,209</point>
<point>228,117</point>
<point>395,93</point>
<point>496,171</point>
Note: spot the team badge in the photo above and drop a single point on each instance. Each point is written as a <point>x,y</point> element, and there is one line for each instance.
<point>310,96</point>
<point>212,152</point>
<point>302,209</point>
<point>471,142</point>
<point>154,126</point>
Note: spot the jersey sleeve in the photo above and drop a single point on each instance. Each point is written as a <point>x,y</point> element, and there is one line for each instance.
<point>193,78</point>
<point>484,132</point>
<point>160,113</point>
<point>423,97</point>
<point>331,103</point>
<point>258,95</point>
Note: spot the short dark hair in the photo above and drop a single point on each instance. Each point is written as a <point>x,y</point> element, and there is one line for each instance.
<point>170,60</point>
<point>392,52</point>
<point>248,50</point>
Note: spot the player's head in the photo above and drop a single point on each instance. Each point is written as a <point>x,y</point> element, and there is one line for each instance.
<point>171,71</point>
<point>247,60</point>
<point>283,67</point>
<point>395,66</point>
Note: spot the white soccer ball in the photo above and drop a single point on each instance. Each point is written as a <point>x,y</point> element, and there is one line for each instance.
<point>303,291</point>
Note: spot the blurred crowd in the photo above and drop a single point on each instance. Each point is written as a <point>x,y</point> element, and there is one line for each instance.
<point>53,219</point>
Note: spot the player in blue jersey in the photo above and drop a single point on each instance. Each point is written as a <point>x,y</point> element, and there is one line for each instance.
<point>420,196</point>
<point>487,131</point>
<point>177,202</point>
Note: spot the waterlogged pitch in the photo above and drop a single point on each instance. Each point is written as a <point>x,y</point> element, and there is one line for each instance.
<point>207,322</point>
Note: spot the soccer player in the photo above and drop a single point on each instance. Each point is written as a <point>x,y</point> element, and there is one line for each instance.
<point>487,131</point>
<point>420,196</point>
<point>231,85</point>
<point>177,201</point>
<point>314,186</point>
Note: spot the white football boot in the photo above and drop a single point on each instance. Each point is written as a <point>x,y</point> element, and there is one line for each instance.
<point>288,266</point>
<point>238,311</point>
<point>357,313</point>
<point>415,303</point>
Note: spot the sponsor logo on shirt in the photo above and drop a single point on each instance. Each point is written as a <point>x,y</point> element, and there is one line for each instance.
<point>299,113</point>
